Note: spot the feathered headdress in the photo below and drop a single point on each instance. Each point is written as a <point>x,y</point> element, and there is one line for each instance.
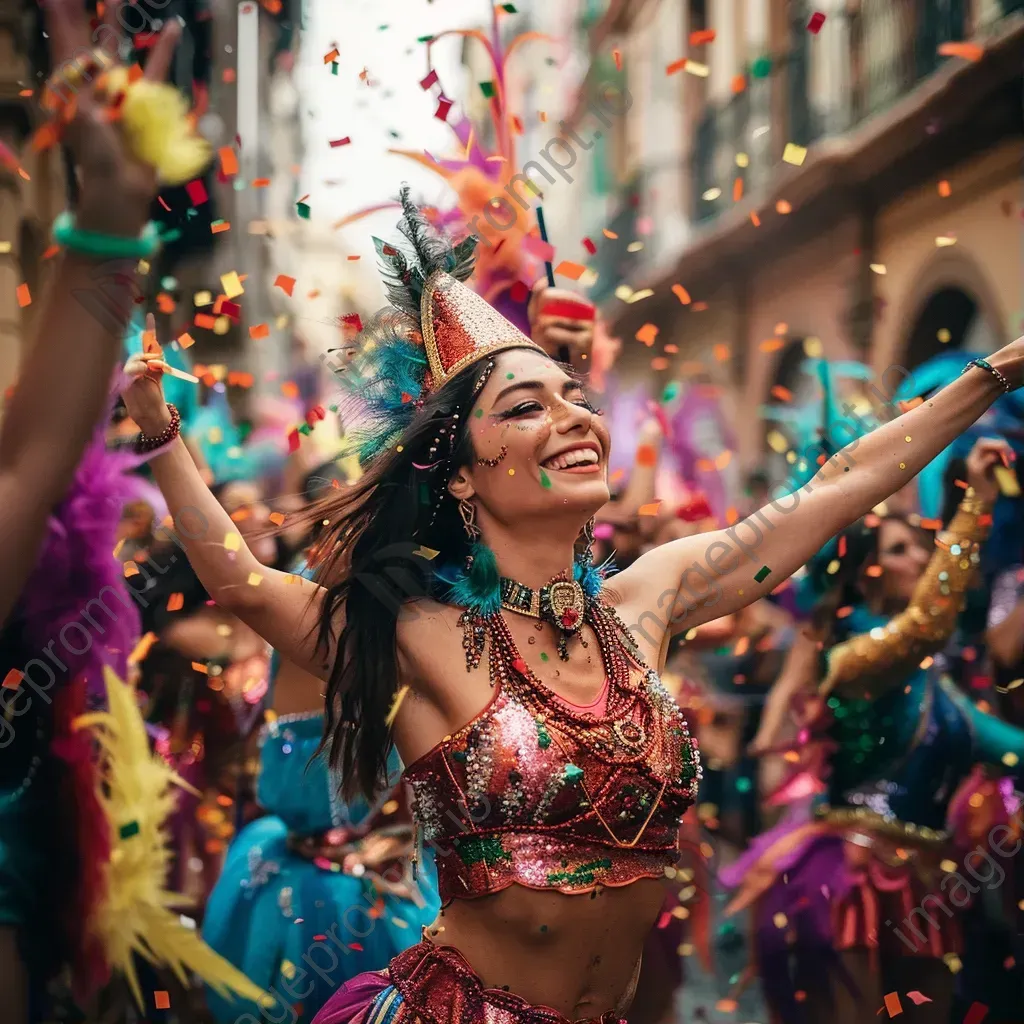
<point>436,328</point>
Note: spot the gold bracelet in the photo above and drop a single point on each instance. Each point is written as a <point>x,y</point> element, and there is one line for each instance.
<point>973,505</point>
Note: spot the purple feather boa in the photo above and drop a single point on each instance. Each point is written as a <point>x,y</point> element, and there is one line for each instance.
<point>76,598</point>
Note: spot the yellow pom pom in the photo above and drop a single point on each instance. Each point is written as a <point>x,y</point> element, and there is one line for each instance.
<point>155,122</point>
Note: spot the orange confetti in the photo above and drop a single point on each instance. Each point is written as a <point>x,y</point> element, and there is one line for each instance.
<point>737,190</point>
<point>204,320</point>
<point>726,1005</point>
<point>277,518</point>
<point>944,189</point>
<point>650,509</point>
<point>873,571</point>
<point>24,296</point>
<point>175,602</point>
<point>699,307</point>
<point>647,334</point>
<point>968,51</point>
<point>259,331</point>
<point>738,84</point>
<point>352,259</point>
<point>702,37</point>
<point>646,455</point>
<point>754,219</point>
<point>931,524</point>
<point>782,394</point>
<point>783,207</point>
<point>185,340</point>
<point>228,161</point>
<point>659,363</point>
<point>260,182</point>
<point>216,229</point>
<point>732,515</point>
<point>893,1004</point>
<point>681,294</point>
<point>142,648</point>
<point>329,58</point>
<point>676,65</point>
<point>542,115</point>
<point>165,304</point>
<point>771,345</point>
<point>130,570</point>
<point>608,234</point>
<point>573,271</point>
<point>198,666</point>
<point>290,389</point>
<point>51,252</point>
<point>617,57</point>
<point>671,349</point>
<point>162,1000</point>
<point>285,283</point>
<point>12,680</point>
<point>227,76</point>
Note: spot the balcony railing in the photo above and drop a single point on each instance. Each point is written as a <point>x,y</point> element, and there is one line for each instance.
<point>888,47</point>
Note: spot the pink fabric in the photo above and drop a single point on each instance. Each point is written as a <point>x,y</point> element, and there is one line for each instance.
<point>354,999</point>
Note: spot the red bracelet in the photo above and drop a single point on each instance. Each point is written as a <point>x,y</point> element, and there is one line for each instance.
<point>144,443</point>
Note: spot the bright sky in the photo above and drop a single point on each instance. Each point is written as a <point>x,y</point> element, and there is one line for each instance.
<point>380,36</point>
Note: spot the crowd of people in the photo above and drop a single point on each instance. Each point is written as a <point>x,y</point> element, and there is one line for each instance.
<point>426,715</point>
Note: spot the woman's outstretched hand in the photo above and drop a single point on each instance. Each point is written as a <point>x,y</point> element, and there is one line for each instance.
<point>561,321</point>
<point>986,454</point>
<point>144,394</point>
<point>115,190</point>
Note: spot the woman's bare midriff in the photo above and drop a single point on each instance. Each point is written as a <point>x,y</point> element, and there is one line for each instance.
<point>573,953</point>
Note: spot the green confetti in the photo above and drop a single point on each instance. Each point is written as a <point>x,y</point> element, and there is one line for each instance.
<point>543,656</point>
<point>333,408</point>
<point>510,376</point>
<point>509,8</point>
<point>545,480</point>
<point>303,210</point>
<point>487,88</point>
<point>671,391</point>
<point>334,68</point>
<point>479,413</point>
<point>761,68</point>
<point>425,39</point>
<point>168,283</point>
<point>573,773</point>
<point>743,785</point>
<point>762,574</point>
<point>128,830</point>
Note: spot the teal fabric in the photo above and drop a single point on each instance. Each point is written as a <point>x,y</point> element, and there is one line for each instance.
<point>298,930</point>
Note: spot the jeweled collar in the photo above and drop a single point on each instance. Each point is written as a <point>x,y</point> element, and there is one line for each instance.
<point>562,602</point>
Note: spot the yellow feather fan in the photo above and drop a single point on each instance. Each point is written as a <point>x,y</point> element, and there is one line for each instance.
<point>138,915</point>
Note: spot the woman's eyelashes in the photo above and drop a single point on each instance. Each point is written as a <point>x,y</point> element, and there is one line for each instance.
<point>533,406</point>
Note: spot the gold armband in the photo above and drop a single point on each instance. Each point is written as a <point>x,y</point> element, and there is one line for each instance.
<point>873,661</point>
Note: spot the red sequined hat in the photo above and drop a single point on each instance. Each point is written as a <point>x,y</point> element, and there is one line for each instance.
<point>459,327</point>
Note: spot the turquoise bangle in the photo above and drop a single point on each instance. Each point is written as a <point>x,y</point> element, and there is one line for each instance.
<point>105,247</point>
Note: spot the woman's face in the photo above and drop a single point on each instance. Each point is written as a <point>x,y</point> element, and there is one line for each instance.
<point>552,448</point>
<point>244,503</point>
<point>902,555</point>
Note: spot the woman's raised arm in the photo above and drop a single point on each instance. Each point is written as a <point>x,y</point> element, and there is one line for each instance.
<point>689,581</point>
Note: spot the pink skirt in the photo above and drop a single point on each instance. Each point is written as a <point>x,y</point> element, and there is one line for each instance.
<point>434,985</point>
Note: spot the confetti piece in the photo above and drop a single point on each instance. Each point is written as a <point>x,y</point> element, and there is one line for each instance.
<point>754,219</point>
<point>650,509</point>
<point>817,20</point>
<point>944,189</point>
<point>259,331</point>
<point>277,518</point>
<point>878,268</point>
<point>175,602</point>
<point>721,352</point>
<point>697,69</point>
<point>782,394</point>
<point>971,52</point>
<point>681,294</point>
<point>12,680</point>
<point>431,79</point>
<point>233,542</point>
<point>617,57</point>
<point>219,226</point>
<point>197,194</point>
<point>335,143</point>
<point>976,1014</point>
<point>395,705</point>
<point>676,65</point>
<point>545,480</point>
<point>571,270</point>
<point>772,344</point>
<point>737,190</point>
<point>762,574</point>
<point>302,209</point>
<point>130,569</point>
<point>702,37</point>
<point>784,207</point>
<point>205,320</point>
<point>260,182</point>
<point>647,334</point>
<point>332,56</point>
<point>161,1000</point>
<point>794,154</point>
<point>231,284</point>
<point>24,296</point>
<point>443,107</point>
<point>487,88</point>
<point>228,161</point>
<point>254,579</point>
<point>589,246</point>
<point>285,283</point>
<point>644,293</point>
<point>428,553</point>
<point>142,648</point>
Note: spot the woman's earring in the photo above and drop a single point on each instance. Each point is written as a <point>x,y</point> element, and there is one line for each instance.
<point>587,535</point>
<point>497,458</point>
<point>468,512</point>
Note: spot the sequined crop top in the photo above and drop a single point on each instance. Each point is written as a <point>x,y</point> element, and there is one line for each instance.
<point>532,792</point>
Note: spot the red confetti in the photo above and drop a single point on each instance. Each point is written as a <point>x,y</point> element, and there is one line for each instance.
<point>817,20</point>
<point>918,998</point>
<point>335,143</point>
<point>160,199</point>
<point>353,320</point>
<point>196,192</point>
<point>443,106</point>
<point>976,1014</point>
<point>589,246</point>
<point>431,79</point>
<point>293,440</point>
<point>285,283</point>
<point>231,309</point>
<point>162,1000</point>
<point>518,292</point>
<point>12,680</point>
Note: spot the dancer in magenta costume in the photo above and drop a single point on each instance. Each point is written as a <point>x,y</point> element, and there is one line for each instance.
<point>550,777</point>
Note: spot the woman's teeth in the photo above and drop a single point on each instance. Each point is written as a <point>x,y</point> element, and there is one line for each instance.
<point>579,457</point>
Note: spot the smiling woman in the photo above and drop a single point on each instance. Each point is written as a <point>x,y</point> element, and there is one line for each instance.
<point>551,777</point>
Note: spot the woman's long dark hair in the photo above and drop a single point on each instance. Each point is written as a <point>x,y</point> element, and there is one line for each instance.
<point>371,571</point>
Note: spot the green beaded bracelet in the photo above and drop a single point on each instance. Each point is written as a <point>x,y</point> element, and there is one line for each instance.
<point>105,247</point>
